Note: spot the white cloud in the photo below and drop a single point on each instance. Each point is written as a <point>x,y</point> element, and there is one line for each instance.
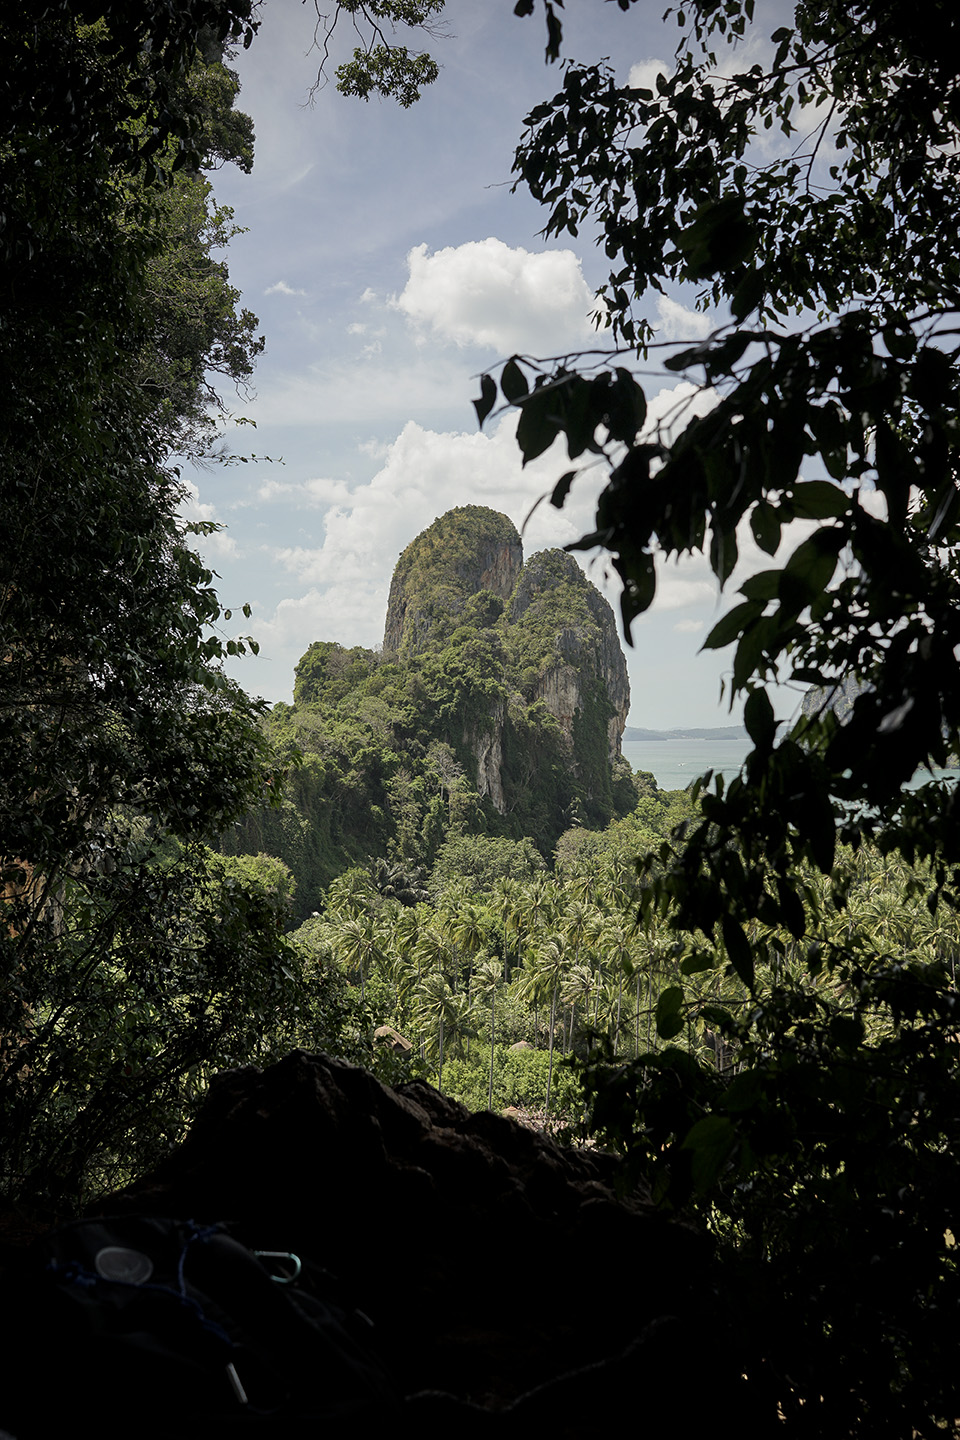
<point>685,582</point>
<point>282,288</point>
<point>307,493</point>
<point>643,75</point>
<point>504,299</point>
<point>215,546</point>
<point>671,409</point>
<point>679,323</point>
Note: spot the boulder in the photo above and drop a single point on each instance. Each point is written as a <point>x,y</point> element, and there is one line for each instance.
<point>391,1039</point>
<point>489,1260</point>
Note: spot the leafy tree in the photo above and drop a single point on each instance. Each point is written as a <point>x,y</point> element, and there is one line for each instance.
<point>481,860</point>
<point>190,321</point>
<point>129,961</point>
<point>870,393</point>
<point>812,195</point>
<point>380,65</point>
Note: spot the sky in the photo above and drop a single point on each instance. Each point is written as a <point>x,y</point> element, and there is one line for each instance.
<point>390,265</point>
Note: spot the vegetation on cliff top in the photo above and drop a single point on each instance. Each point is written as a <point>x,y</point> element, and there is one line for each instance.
<point>470,551</point>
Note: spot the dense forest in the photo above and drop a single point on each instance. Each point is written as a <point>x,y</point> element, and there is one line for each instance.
<point>746,992</point>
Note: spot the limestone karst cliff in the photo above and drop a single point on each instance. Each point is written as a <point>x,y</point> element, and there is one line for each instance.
<point>581,660</point>
<point>550,639</point>
<point>496,706</point>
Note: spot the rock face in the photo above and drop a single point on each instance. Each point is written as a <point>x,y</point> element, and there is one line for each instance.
<point>587,662</point>
<point>489,1260</point>
<point>467,551</point>
<point>486,744</point>
<point>839,698</point>
<point>543,647</point>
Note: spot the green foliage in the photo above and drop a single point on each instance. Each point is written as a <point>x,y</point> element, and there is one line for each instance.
<point>129,963</point>
<point>519,1081</point>
<point>140,978</point>
<point>189,319</point>
<point>327,672</point>
<point>379,65</point>
<point>478,861</point>
<point>814,193</point>
<point>868,393</point>
<point>261,872</point>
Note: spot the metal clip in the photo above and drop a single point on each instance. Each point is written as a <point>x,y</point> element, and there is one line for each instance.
<point>280,1275</point>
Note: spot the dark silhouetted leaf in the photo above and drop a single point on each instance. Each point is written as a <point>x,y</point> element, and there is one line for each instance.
<point>487,398</point>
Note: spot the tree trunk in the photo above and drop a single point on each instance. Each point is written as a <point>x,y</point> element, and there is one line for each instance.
<point>553,1016</point>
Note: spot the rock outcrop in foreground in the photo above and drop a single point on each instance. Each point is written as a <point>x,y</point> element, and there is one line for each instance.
<point>490,1261</point>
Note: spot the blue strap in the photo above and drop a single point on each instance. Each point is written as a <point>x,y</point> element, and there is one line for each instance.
<point>73,1273</point>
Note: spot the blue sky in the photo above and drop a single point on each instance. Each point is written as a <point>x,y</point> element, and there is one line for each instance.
<point>390,264</point>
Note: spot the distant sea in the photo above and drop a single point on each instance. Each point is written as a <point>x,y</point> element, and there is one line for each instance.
<point>675,764</point>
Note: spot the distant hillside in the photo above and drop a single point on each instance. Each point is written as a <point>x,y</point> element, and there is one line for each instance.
<point>839,698</point>
<point>723,732</point>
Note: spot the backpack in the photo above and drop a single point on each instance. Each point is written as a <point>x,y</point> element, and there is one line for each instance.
<point>143,1326</point>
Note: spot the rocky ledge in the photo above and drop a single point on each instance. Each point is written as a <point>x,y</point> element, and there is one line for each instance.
<point>490,1260</point>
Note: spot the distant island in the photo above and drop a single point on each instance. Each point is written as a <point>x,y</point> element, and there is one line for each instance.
<point>723,732</point>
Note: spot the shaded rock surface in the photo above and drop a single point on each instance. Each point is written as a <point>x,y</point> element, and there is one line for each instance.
<point>490,1260</point>
<point>587,655</point>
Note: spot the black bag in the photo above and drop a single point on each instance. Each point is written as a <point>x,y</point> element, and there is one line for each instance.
<point>145,1326</point>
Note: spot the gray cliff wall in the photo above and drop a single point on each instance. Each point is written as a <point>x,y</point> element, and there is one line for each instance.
<point>587,659</point>
<point>551,641</point>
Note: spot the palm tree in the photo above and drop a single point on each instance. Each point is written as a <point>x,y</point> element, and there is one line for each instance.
<point>468,927</point>
<point>576,989</point>
<point>548,965</point>
<point>540,900</point>
<point>356,944</point>
<point>488,976</point>
<point>615,941</point>
<point>433,951</point>
<point>654,949</point>
<point>437,1005</point>
<point>515,915</point>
